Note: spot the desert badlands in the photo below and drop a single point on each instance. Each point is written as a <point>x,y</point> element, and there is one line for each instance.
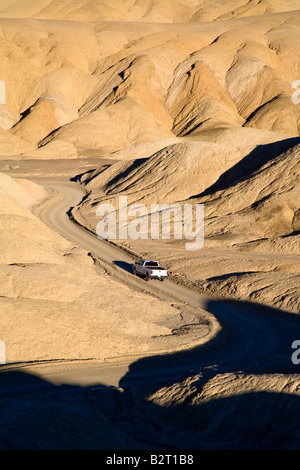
<point>176,103</point>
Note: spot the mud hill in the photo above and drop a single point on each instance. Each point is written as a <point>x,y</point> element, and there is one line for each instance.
<point>81,88</point>
<point>251,208</point>
<point>53,295</point>
<point>157,11</point>
<point>190,102</point>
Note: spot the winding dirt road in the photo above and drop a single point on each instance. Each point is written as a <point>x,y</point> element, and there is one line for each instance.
<point>253,338</point>
<point>246,337</point>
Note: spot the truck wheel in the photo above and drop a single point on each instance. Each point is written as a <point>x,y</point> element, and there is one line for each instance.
<point>147,277</point>
<point>133,271</point>
<point>161,279</point>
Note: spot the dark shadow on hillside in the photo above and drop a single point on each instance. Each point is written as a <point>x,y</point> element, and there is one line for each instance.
<point>255,339</point>
<point>124,265</point>
<point>78,177</point>
<point>37,415</point>
<point>230,275</point>
<point>243,170</point>
<point>245,421</point>
<point>133,167</point>
<point>88,175</point>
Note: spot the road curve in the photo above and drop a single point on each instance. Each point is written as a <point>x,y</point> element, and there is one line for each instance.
<point>258,339</point>
<point>69,195</point>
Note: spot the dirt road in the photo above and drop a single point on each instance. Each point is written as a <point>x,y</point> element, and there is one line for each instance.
<point>252,338</point>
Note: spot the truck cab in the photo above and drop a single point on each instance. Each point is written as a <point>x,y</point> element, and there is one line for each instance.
<point>149,269</point>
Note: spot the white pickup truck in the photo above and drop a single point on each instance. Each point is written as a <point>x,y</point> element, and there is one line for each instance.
<point>149,270</point>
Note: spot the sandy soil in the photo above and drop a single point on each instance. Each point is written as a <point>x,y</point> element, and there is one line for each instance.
<point>162,103</point>
<point>251,229</point>
<point>246,349</point>
<point>52,289</point>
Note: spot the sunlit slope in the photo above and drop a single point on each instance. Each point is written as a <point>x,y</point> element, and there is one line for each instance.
<point>158,11</point>
<point>88,88</point>
<point>248,200</point>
